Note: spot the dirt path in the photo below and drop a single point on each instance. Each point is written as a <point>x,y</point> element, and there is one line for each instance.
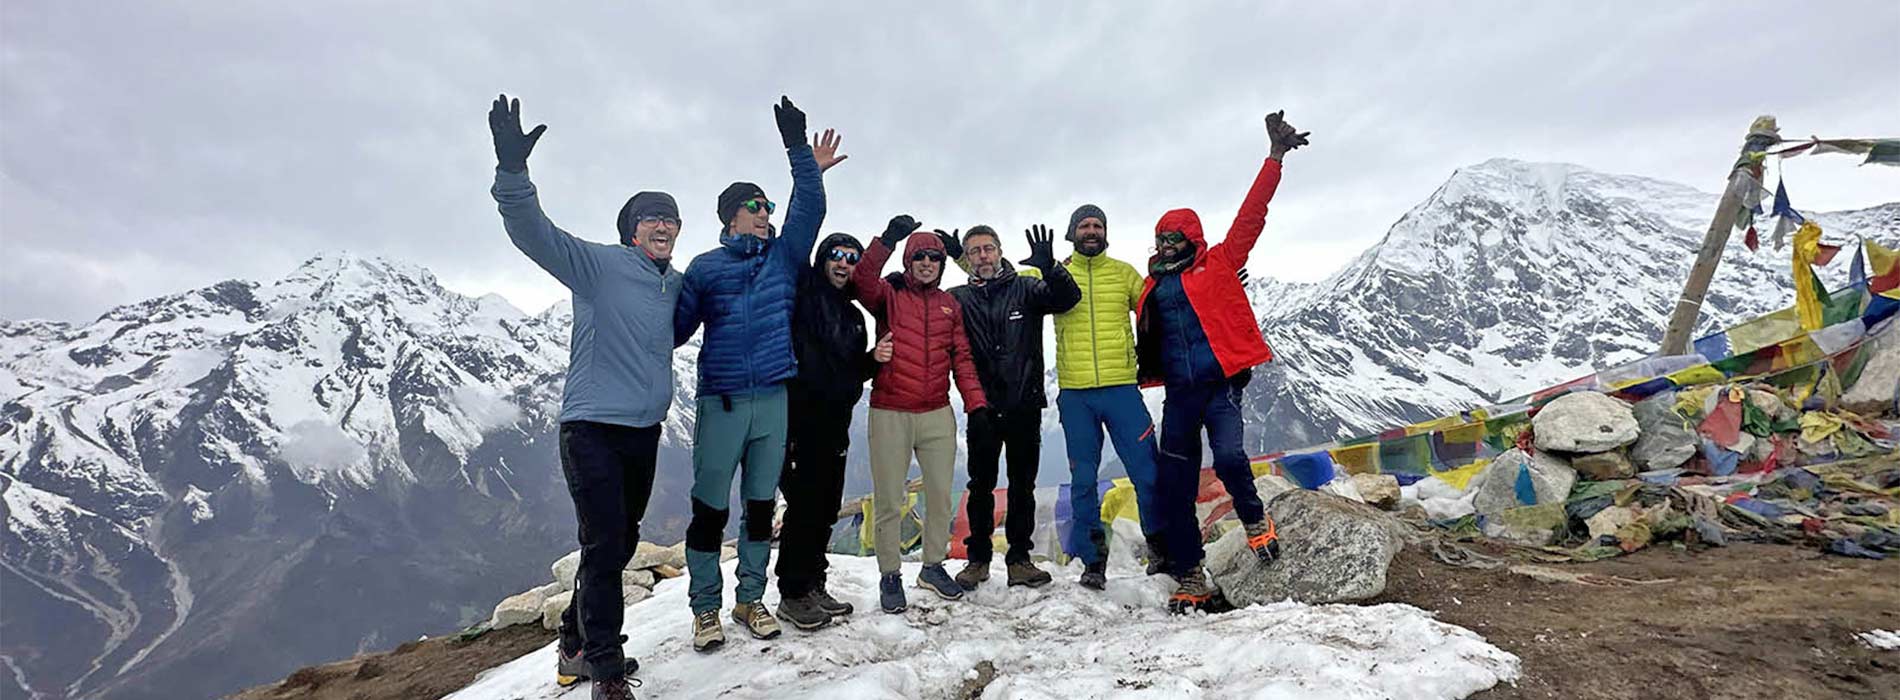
<point>1755,621</point>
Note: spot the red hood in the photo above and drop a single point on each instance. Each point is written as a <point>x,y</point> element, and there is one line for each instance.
<point>921,241</point>
<point>1185,221</point>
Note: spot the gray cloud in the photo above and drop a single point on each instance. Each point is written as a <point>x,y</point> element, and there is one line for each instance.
<point>151,147</point>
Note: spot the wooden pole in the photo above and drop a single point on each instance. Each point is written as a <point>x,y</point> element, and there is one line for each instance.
<point>1689,305</point>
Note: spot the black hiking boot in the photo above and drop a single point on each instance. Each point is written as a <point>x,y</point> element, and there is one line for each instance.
<point>803,612</point>
<point>1096,576</point>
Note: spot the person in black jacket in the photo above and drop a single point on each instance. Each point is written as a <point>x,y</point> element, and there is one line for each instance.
<point>1002,315</point>
<point>828,339</point>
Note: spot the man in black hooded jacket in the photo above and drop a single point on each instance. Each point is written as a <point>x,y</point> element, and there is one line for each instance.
<point>828,338</point>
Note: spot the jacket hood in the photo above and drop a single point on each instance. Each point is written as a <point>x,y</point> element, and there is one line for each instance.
<point>918,242</point>
<point>1187,222</point>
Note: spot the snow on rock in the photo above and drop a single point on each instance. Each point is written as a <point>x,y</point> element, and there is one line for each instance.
<point>1584,421</point>
<point>1332,549</point>
<point>1880,639</point>
<point>1060,641</point>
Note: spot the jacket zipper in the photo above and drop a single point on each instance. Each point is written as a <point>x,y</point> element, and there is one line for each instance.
<point>1095,348</point>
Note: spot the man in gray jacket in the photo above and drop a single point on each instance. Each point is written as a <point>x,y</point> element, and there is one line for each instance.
<point>619,385</point>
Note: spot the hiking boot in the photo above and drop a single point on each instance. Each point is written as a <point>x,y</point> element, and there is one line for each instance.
<point>708,634</point>
<point>571,668</point>
<point>1157,556</point>
<point>1024,573</point>
<point>803,612</point>
<point>890,593</point>
<point>973,574</point>
<point>1096,576</point>
<point>1193,593</point>
<point>938,581</point>
<point>1264,539</point>
<point>831,606</point>
<point>613,689</point>
<point>756,619</point>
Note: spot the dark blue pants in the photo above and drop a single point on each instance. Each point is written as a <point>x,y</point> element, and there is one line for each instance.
<point>1187,410</point>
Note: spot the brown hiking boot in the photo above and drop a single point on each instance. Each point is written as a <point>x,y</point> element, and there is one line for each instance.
<point>973,574</point>
<point>1193,592</point>
<point>1024,573</point>
<point>1264,539</point>
<point>756,619</point>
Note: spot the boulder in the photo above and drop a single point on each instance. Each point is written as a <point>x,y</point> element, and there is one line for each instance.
<point>633,594</point>
<point>565,568</point>
<point>1535,526</point>
<point>637,577</point>
<point>1331,550</point>
<point>522,608</point>
<point>728,553</point>
<point>1343,488</point>
<point>1584,421</point>
<point>649,555</point>
<point>1665,442</point>
<point>666,571</point>
<point>1379,490</point>
<point>1496,488</point>
<point>1603,466</point>
<point>1873,392</point>
<point>554,607</point>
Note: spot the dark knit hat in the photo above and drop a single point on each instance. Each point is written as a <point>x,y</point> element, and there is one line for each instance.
<point>1083,212</point>
<point>736,194</point>
<point>642,205</point>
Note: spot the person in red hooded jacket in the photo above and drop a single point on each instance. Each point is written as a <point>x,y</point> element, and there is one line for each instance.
<point>910,401</point>
<point>1196,336</point>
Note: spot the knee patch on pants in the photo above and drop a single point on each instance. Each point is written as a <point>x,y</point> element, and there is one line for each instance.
<point>707,529</point>
<point>758,520</point>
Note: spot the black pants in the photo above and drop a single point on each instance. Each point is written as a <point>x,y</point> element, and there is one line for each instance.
<point>813,484</point>
<point>609,471</point>
<point>1021,431</point>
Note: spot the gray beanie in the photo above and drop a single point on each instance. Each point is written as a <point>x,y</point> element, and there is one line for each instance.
<point>1083,212</point>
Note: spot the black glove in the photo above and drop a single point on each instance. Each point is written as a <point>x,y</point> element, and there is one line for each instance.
<point>900,228</point>
<point>983,421</point>
<point>1281,135</point>
<point>1042,248</point>
<point>511,146</point>
<point>791,122</point>
<point>952,246</point>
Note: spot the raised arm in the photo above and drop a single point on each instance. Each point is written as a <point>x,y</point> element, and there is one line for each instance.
<point>1252,218</point>
<point>867,280</point>
<point>568,259</point>
<point>1056,292</point>
<point>805,213</point>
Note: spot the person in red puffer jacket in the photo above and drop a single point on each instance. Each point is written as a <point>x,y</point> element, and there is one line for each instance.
<point>910,400</point>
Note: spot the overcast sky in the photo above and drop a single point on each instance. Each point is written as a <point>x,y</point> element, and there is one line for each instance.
<point>152,147</point>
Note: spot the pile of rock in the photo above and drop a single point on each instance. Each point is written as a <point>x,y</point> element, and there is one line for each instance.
<point>651,564</point>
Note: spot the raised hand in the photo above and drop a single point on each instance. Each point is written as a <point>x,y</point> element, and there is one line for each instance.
<point>825,149</point>
<point>511,146</point>
<point>952,246</point>
<point>1042,247</point>
<point>901,227</point>
<point>884,349</point>
<point>1282,136</point>
<point>791,122</point>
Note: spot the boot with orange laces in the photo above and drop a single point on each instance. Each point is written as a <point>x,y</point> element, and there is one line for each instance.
<point>1264,539</point>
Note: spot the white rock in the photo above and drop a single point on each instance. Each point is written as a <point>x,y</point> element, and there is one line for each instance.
<point>552,609</point>
<point>1379,490</point>
<point>649,555</point>
<point>519,609</point>
<point>1873,392</point>
<point>564,569</point>
<point>633,594</point>
<point>1496,486</point>
<point>1331,550</point>
<point>1584,421</point>
<point>636,577</point>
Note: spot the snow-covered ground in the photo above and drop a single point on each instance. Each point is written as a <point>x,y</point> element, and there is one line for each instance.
<point>1062,641</point>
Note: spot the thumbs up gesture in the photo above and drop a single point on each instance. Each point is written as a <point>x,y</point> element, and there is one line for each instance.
<point>884,349</point>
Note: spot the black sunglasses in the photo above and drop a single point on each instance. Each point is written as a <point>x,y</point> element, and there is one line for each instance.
<point>1171,237</point>
<point>931,255</point>
<point>754,205</point>
<point>843,255</point>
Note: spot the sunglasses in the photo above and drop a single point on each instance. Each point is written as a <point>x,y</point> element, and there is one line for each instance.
<point>931,255</point>
<point>660,220</point>
<point>755,205</point>
<point>1175,237</point>
<point>842,255</point>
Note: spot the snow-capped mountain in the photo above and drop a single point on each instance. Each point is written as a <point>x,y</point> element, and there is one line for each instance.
<point>207,490</point>
<point>1512,277</point>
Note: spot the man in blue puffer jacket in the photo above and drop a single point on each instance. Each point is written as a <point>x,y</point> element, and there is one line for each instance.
<point>742,292</point>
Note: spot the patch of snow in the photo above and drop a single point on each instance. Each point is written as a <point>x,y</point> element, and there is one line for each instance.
<point>1060,641</point>
<point>1880,639</point>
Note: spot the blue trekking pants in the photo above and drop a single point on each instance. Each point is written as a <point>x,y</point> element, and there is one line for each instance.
<point>744,434</point>
<point>1084,413</point>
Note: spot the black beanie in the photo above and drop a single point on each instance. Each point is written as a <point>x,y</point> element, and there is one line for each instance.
<point>736,194</point>
<point>641,205</point>
<point>1083,212</point>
